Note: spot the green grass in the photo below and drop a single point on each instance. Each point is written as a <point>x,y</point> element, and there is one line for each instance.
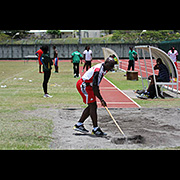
<point>20,131</point>
<point>22,94</point>
<point>16,129</point>
<point>122,83</point>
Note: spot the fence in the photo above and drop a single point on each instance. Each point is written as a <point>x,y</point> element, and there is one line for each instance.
<point>19,51</point>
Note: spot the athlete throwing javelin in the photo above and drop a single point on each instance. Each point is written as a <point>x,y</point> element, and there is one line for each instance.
<point>88,87</point>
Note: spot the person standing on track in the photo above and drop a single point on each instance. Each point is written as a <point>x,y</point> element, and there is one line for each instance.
<point>173,55</point>
<point>88,58</point>
<point>88,87</point>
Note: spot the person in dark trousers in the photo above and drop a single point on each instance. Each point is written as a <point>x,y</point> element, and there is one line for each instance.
<point>76,57</point>
<point>163,76</point>
<point>47,63</point>
<point>87,57</point>
<point>150,92</point>
<point>132,58</point>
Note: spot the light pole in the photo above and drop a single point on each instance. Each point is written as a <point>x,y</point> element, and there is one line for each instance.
<point>137,40</point>
<point>80,38</point>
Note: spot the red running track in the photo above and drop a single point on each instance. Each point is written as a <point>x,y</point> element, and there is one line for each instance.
<point>113,96</point>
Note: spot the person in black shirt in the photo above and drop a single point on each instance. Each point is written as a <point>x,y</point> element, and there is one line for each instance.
<point>163,76</point>
<point>47,63</point>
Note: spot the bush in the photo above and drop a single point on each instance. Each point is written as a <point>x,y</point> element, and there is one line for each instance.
<point>4,37</point>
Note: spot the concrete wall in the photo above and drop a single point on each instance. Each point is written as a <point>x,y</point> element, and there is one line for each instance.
<point>64,50</point>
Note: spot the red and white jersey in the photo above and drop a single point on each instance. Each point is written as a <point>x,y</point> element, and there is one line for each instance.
<point>173,55</point>
<point>94,75</point>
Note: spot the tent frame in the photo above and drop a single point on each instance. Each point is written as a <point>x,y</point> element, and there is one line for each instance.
<point>154,52</point>
<point>107,52</point>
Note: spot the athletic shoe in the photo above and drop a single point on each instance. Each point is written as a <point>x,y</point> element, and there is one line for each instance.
<point>142,96</point>
<point>98,132</point>
<point>139,91</point>
<point>47,96</point>
<point>80,128</point>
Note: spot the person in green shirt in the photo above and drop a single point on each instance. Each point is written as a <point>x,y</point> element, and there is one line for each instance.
<point>76,57</point>
<point>132,58</point>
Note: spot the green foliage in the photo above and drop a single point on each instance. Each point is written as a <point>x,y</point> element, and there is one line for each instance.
<point>125,36</point>
<point>150,36</point>
<point>118,36</point>
<point>4,37</point>
<point>54,32</point>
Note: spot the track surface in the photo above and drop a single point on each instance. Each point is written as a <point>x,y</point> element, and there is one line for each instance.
<point>113,96</point>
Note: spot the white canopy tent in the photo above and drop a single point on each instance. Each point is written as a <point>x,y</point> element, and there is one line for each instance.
<point>158,53</point>
<point>107,52</point>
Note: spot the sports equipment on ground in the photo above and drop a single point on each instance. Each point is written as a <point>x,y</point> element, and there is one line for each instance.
<point>115,122</point>
<point>132,139</point>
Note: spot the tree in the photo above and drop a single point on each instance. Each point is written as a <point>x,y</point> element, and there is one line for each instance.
<point>54,32</point>
<point>12,33</point>
<point>148,36</point>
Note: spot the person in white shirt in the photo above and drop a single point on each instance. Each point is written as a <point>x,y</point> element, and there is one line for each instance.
<point>88,58</point>
<point>174,55</point>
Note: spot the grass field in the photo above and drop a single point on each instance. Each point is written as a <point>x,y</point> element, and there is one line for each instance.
<point>19,130</point>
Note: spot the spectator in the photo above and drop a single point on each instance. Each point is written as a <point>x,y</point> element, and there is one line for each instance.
<point>76,56</point>
<point>173,55</point>
<point>39,54</point>
<point>163,76</point>
<point>56,59</point>
<point>132,58</point>
<point>87,57</point>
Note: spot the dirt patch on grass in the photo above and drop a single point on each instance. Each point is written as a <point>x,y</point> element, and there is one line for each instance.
<point>159,127</point>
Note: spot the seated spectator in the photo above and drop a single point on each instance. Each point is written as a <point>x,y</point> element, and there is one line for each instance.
<point>163,76</point>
